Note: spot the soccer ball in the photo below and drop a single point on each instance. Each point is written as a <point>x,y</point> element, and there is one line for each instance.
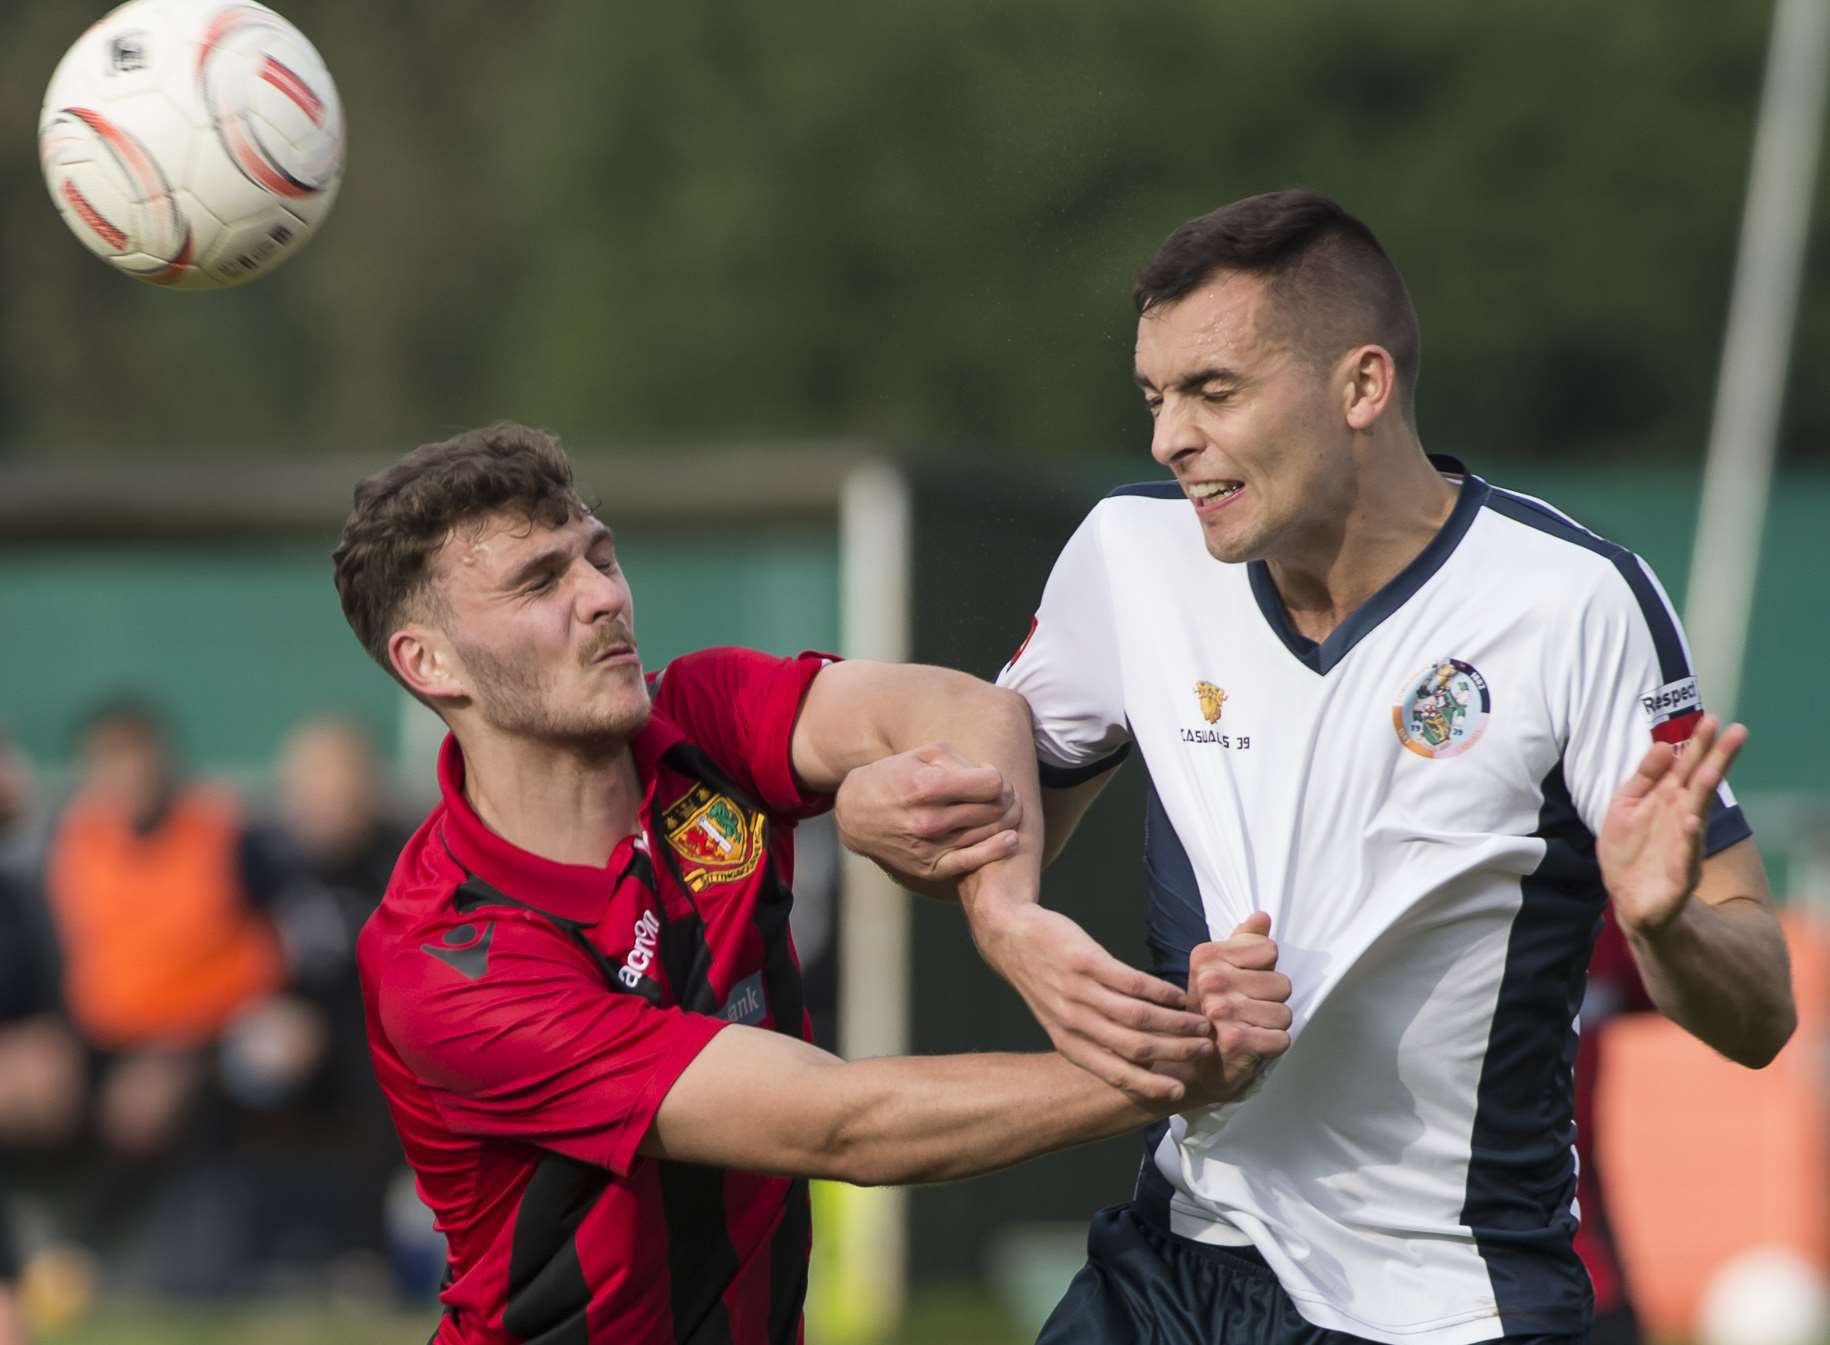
<point>193,144</point>
<point>1765,1296</point>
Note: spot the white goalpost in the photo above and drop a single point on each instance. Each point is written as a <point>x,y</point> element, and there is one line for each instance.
<point>1737,477</point>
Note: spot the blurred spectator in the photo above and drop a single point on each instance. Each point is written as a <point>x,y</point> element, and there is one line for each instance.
<point>164,951</point>
<point>12,1328</point>
<point>319,866</point>
<point>238,1140</point>
<point>39,1059</point>
<point>161,945</point>
<point>1614,988</point>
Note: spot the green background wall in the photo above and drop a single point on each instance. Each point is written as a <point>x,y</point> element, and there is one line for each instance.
<point>239,640</point>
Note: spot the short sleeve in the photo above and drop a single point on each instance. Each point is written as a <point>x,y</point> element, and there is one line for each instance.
<point>520,1039</point>
<point>740,706</point>
<point>1633,685</point>
<point>1068,668</point>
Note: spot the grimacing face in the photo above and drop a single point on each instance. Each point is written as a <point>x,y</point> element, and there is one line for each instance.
<point>1253,432</point>
<point>543,623</point>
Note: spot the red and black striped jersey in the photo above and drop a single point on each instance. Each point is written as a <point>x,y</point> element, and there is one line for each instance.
<point>526,1018</point>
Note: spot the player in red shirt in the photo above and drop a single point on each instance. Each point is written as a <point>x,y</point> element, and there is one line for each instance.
<point>583,1003</point>
<point>1614,988</point>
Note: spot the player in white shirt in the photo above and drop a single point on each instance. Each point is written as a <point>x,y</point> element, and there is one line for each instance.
<point>1419,727</point>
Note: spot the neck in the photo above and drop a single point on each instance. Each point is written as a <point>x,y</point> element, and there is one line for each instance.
<point>1397,504</point>
<point>567,802</point>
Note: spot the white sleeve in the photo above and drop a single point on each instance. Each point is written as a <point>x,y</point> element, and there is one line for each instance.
<point>1068,669</point>
<point>1632,684</point>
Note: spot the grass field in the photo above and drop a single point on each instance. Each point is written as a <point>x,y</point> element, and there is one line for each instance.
<point>941,1318</point>
<point>263,1324</point>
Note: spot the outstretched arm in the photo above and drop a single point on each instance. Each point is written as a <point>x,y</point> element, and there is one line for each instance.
<point>1110,1019</point>
<point>765,1102</point>
<point>1702,929</point>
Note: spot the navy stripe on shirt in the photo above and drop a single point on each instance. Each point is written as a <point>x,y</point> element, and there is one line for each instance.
<point>1521,1166</point>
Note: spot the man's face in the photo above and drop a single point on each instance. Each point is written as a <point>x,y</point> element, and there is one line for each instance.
<point>1249,427</point>
<point>543,625</point>
<point>125,765</point>
<point>329,793</point>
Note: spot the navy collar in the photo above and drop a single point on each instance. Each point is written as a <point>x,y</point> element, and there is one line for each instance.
<point>1320,658</point>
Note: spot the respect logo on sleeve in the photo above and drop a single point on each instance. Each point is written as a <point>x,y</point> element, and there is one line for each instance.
<point>1674,710</point>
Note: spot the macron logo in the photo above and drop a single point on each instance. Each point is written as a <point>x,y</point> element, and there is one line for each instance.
<point>641,957</point>
<point>465,949</point>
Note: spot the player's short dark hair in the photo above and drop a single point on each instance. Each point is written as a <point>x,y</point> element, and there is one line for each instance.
<point>1334,287</point>
<point>403,515</point>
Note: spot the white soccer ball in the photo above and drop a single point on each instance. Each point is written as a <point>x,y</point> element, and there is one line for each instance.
<point>193,144</point>
<point>1766,1296</point>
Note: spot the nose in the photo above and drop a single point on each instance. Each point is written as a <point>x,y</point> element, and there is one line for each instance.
<point>601,596</point>
<point>1174,435</point>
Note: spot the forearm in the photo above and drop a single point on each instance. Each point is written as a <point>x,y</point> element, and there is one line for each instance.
<point>940,1118</point>
<point>859,714</point>
<point>760,1101</point>
<point>1721,972</point>
<point>985,723</point>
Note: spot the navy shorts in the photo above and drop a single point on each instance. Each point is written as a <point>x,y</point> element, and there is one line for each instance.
<point>1143,1285</point>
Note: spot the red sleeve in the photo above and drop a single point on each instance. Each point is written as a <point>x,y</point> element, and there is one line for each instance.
<point>740,706</point>
<point>536,1048</point>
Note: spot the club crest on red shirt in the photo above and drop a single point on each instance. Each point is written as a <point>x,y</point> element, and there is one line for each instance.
<point>718,840</point>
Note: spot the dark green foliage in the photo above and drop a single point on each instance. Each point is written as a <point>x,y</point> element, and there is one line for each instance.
<point>664,224</point>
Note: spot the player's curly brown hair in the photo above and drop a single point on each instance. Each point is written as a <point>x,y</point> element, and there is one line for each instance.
<point>404,513</point>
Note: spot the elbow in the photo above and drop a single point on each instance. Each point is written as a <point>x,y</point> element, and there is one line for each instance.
<point>1759,1049</point>
<point>864,1165</point>
<point>1014,710</point>
<point>993,703</point>
<point>853,1156</point>
<point>885,1169</point>
<point>863,1149</point>
<point>1759,1040</point>
<point>870,1173</point>
<point>847,1155</point>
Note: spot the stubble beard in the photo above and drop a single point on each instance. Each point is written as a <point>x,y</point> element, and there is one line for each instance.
<point>516,697</point>
<point>1234,549</point>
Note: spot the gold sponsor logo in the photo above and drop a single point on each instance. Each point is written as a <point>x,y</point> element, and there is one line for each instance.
<point>1212,698</point>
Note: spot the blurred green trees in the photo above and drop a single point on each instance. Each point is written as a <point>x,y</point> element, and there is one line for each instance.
<point>659,225</point>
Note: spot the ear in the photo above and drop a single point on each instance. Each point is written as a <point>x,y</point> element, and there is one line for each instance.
<point>1368,386</point>
<point>424,659</point>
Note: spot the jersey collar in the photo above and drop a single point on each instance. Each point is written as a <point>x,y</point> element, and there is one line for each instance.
<point>575,892</point>
<point>1320,658</point>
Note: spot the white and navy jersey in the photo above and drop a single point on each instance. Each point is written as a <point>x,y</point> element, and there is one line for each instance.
<point>1414,801</point>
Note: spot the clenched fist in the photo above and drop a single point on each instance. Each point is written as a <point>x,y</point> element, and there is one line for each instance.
<point>1234,983</point>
